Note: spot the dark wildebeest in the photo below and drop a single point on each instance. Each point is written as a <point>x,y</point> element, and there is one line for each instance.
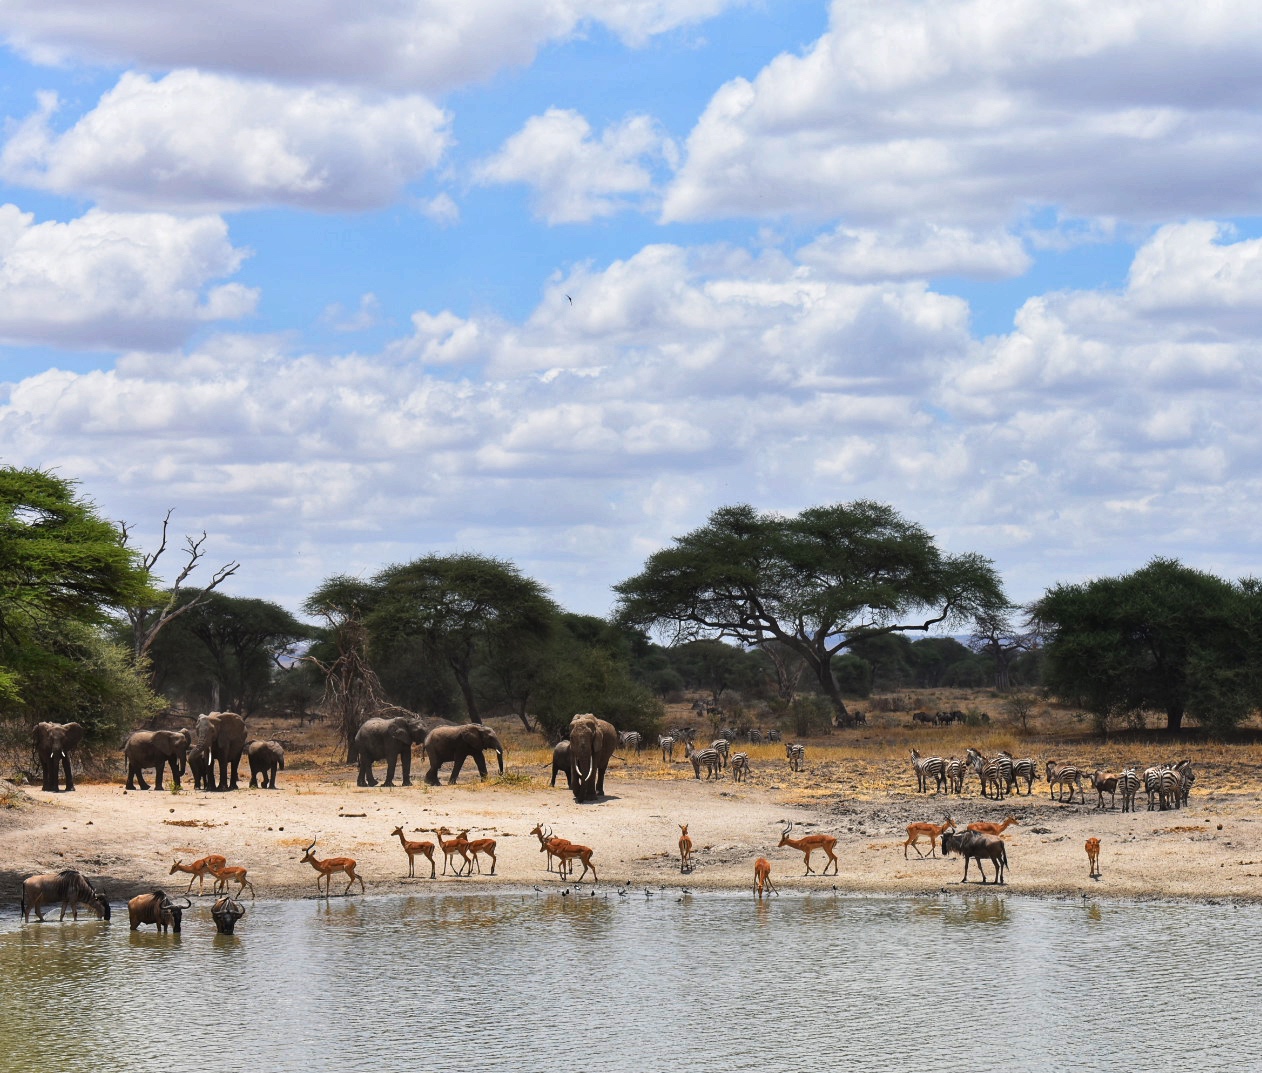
<point>156,908</point>
<point>974,845</point>
<point>69,887</point>
<point>226,912</point>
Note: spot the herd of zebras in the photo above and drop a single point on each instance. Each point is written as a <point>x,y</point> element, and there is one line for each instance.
<point>1166,785</point>
<point>718,755</point>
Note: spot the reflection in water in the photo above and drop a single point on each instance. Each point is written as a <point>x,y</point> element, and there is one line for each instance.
<point>640,985</point>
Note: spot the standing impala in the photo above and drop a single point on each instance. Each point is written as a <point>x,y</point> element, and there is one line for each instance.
<point>328,866</point>
<point>200,869</point>
<point>808,844</point>
<point>685,849</point>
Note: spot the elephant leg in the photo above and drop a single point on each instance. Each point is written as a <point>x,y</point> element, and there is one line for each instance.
<point>65,759</point>
<point>405,766</point>
<point>431,776</point>
<point>390,762</point>
<point>480,760</point>
<point>456,765</point>
<point>50,773</point>
<point>232,780</point>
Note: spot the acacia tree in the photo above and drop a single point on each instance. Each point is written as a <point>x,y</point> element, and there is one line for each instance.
<point>995,635</point>
<point>815,582</point>
<point>458,609</point>
<point>1166,637</point>
<point>63,571</point>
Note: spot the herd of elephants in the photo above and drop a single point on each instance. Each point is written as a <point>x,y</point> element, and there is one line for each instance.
<point>212,750</point>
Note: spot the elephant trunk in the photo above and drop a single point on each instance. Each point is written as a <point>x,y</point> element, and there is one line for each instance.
<point>500,753</point>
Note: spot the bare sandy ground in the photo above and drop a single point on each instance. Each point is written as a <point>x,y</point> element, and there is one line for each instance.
<point>128,840</point>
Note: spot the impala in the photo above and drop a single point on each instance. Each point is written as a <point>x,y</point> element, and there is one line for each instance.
<point>425,849</point>
<point>200,869</point>
<point>328,867</point>
<point>808,844</point>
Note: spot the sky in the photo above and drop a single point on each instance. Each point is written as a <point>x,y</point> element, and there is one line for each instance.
<point>344,285</point>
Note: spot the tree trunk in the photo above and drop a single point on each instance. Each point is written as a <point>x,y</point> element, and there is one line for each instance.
<point>1174,719</point>
<point>466,691</point>
<point>828,684</point>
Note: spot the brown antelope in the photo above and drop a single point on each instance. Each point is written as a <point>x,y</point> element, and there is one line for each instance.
<point>545,837</point>
<point>425,849</point>
<point>569,851</point>
<point>478,845</point>
<point>808,844</point>
<point>762,877</point>
<point>685,849</point>
<point>450,848</point>
<point>932,830</point>
<point>1093,857</point>
<point>988,828</point>
<point>328,866</point>
<point>200,869</point>
<point>237,874</point>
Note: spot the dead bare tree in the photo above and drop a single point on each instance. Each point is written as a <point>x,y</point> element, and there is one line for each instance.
<point>148,621</point>
<point>995,635</point>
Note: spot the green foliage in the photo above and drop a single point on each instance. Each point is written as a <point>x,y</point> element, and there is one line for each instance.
<point>816,582</point>
<point>853,674</point>
<point>63,571</point>
<point>1167,637</point>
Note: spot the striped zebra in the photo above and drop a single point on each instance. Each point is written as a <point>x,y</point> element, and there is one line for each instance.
<point>755,736</point>
<point>989,772</point>
<point>1165,785</point>
<point>928,767</point>
<point>1128,785</point>
<point>956,770</point>
<point>1069,775</point>
<point>723,747</point>
<point>1187,776</point>
<point>708,758</point>
<point>1024,768</point>
<point>773,735</point>
<point>630,739</point>
<point>667,744</point>
<point>796,755</point>
<point>740,766</point>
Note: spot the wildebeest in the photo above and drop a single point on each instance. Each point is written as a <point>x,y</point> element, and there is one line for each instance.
<point>156,908</point>
<point>69,887</point>
<point>973,845</point>
<point>226,912</point>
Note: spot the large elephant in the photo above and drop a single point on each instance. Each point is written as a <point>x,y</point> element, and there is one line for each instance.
<point>155,749</point>
<point>54,743</point>
<point>456,744</point>
<point>389,740</point>
<point>265,757</point>
<point>221,737</point>
<point>592,742</point>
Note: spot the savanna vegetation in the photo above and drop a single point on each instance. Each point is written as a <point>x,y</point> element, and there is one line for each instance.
<point>799,622</point>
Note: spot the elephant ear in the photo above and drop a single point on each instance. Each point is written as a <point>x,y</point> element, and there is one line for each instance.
<point>74,734</point>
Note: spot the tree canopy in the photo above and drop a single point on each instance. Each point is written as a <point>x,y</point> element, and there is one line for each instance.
<point>1167,638</point>
<point>815,582</point>
<point>63,572</point>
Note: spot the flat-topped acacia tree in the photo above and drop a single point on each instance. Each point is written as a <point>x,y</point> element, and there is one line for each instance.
<point>815,582</point>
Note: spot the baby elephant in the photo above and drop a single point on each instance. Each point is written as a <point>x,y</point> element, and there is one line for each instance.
<point>266,757</point>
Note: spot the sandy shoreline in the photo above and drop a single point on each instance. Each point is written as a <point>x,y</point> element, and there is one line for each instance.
<point>128,840</point>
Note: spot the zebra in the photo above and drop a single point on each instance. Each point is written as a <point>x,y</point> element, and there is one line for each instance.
<point>928,766</point>
<point>1129,784</point>
<point>989,772</point>
<point>1166,785</point>
<point>688,734</point>
<point>773,735</point>
<point>707,758</point>
<point>956,770</point>
<point>630,739</point>
<point>667,744</point>
<point>740,766</point>
<point>1187,776</point>
<point>722,747</point>
<point>1024,768</point>
<point>69,887</point>
<point>1069,775</point>
<point>796,754</point>
<point>755,735</point>
<point>727,733</point>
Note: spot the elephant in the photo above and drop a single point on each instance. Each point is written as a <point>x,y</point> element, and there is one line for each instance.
<point>265,758</point>
<point>53,743</point>
<point>458,743</point>
<point>592,742</point>
<point>196,761</point>
<point>389,740</point>
<point>221,736</point>
<point>561,761</point>
<point>154,748</point>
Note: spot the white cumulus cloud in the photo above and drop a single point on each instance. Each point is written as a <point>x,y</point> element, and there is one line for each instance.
<point>115,280</point>
<point>574,176</point>
<point>201,142</point>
